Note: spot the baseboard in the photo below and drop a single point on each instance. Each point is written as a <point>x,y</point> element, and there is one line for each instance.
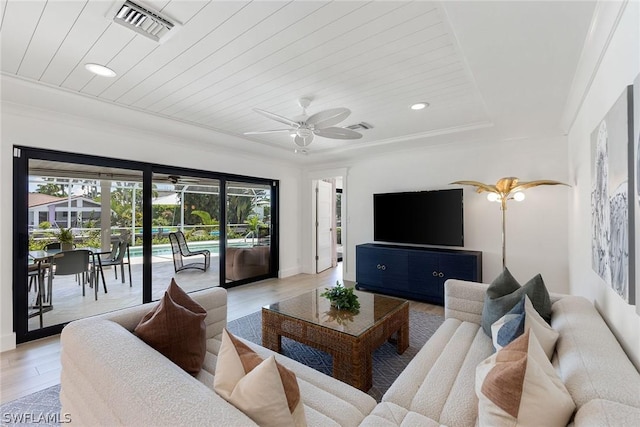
<point>288,272</point>
<point>7,342</point>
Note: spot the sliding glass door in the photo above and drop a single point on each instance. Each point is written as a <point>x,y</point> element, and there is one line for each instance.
<point>249,230</point>
<point>74,265</point>
<point>185,231</point>
<point>94,234</point>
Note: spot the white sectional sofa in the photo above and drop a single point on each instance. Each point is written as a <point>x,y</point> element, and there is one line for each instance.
<point>437,387</point>
<point>110,377</point>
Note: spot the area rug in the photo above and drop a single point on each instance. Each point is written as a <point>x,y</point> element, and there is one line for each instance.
<point>41,408</point>
<point>387,363</point>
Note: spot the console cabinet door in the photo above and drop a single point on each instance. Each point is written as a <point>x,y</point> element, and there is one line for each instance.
<point>458,267</point>
<point>381,267</point>
<point>423,275</point>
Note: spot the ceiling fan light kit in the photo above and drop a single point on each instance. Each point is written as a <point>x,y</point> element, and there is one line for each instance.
<point>306,127</point>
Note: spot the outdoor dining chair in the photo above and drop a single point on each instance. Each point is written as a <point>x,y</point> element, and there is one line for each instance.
<point>77,261</point>
<point>181,250</point>
<point>116,258</point>
<point>58,246</point>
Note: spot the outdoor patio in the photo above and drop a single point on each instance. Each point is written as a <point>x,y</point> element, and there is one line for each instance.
<point>69,304</point>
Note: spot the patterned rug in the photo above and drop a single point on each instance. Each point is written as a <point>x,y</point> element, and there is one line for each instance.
<point>387,364</point>
<point>43,408</point>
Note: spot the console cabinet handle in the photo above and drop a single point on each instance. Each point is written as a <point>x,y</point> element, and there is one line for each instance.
<point>378,266</point>
<point>384,267</point>
<point>435,274</point>
<point>441,274</point>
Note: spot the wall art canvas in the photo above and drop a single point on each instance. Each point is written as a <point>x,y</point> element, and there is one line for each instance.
<point>611,149</point>
<point>635,113</point>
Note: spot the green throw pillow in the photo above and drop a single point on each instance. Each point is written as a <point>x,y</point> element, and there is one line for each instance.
<point>505,292</point>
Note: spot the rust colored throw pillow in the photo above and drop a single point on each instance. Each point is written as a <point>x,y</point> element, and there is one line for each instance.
<point>176,328</point>
<point>264,390</point>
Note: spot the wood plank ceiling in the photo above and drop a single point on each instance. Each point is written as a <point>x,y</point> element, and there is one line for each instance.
<point>227,57</point>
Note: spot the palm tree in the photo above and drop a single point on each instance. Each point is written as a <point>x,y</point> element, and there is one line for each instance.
<point>254,224</point>
<point>206,219</point>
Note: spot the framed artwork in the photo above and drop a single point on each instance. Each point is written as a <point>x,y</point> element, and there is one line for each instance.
<point>612,235</point>
<point>635,160</point>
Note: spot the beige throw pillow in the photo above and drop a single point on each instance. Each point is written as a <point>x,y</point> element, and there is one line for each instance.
<point>264,390</point>
<point>176,328</point>
<point>518,386</point>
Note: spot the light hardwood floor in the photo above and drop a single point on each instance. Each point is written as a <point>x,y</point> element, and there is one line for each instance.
<point>35,365</point>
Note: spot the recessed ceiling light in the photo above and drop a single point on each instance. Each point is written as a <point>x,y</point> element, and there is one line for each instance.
<point>100,70</point>
<point>420,106</point>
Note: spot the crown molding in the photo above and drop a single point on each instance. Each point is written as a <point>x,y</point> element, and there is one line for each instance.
<point>606,17</point>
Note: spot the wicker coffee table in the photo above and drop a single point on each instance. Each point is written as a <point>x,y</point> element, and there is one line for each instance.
<point>349,338</point>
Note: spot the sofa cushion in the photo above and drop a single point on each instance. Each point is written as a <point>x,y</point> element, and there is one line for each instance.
<point>505,292</point>
<point>518,386</point>
<point>175,330</point>
<point>605,413</point>
<point>589,359</point>
<point>439,382</point>
<point>387,414</point>
<point>523,317</point>
<point>263,389</point>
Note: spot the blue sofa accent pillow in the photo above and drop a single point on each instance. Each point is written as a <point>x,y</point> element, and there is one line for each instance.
<point>513,325</point>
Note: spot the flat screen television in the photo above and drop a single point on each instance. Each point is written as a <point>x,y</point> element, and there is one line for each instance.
<point>420,217</point>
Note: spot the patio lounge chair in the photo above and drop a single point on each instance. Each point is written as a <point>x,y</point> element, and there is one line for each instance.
<point>181,250</point>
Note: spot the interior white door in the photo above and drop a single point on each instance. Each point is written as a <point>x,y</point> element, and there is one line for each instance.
<point>324,214</point>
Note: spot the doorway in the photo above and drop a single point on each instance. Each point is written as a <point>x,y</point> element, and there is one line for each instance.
<point>328,227</point>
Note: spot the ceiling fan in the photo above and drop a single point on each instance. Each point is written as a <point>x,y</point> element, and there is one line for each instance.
<point>304,127</point>
<point>176,179</point>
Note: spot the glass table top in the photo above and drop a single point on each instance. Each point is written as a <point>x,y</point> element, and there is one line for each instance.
<point>313,308</point>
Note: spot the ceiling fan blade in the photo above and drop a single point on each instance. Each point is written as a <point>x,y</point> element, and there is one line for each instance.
<point>326,118</point>
<point>264,132</point>
<point>277,118</point>
<point>338,133</point>
<point>303,142</point>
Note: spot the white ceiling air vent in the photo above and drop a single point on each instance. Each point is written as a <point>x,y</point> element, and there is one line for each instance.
<point>144,21</point>
<point>360,126</point>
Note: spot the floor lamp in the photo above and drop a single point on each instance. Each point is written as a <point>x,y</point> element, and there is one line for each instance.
<point>506,189</point>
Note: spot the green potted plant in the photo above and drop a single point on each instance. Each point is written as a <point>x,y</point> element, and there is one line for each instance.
<point>65,237</point>
<point>342,298</point>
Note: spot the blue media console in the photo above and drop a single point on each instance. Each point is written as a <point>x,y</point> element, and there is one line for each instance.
<point>413,272</point>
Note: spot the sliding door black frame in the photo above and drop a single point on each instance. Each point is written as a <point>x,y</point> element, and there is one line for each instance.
<point>21,158</point>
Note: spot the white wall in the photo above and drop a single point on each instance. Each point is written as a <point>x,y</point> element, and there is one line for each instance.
<point>7,337</point>
<point>34,128</point>
<point>536,227</point>
<point>619,65</point>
